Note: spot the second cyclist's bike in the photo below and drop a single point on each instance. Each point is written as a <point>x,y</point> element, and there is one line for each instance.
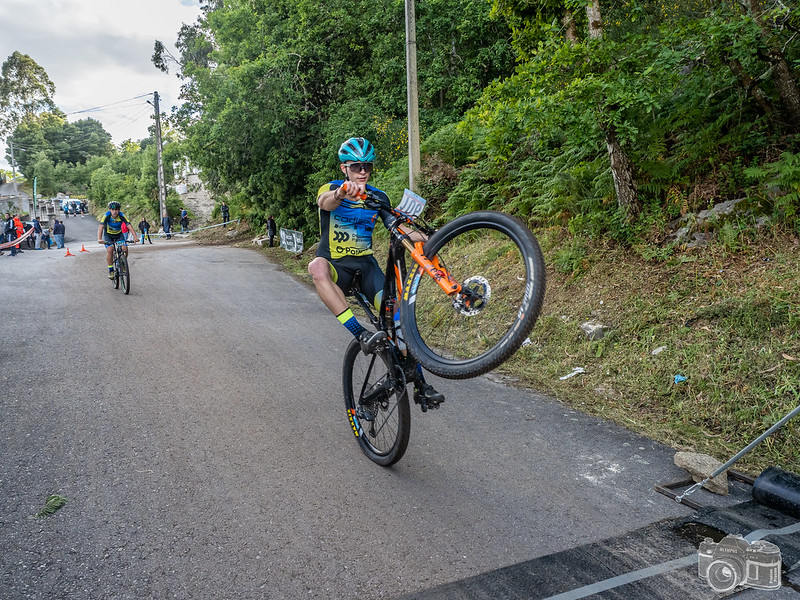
<point>122,273</point>
<point>463,305</point>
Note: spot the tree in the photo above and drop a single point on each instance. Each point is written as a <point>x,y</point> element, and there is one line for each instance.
<point>43,170</point>
<point>271,87</point>
<point>84,139</point>
<point>25,89</point>
<point>49,132</point>
<point>621,166</point>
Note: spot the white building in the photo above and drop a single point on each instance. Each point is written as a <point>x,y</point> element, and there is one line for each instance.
<point>14,200</point>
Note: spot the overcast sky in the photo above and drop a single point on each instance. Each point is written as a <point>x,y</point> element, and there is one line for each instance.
<point>97,53</point>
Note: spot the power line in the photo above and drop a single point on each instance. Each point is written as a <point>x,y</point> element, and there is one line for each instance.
<point>97,108</point>
<point>128,119</point>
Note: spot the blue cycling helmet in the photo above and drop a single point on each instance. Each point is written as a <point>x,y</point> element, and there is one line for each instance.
<point>357,149</point>
<point>114,205</point>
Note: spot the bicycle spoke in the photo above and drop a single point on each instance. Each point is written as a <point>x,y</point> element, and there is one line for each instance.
<point>379,413</point>
<point>498,263</point>
<point>452,331</point>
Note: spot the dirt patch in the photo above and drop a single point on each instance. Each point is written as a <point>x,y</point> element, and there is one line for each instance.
<point>234,235</point>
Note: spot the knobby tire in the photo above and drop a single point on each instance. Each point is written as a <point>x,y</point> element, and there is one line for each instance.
<point>383,439</point>
<point>125,274</point>
<point>497,257</point>
<point>115,281</point>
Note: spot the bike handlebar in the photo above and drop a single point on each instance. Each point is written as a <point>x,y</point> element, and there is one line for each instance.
<point>391,216</point>
<point>370,200</point>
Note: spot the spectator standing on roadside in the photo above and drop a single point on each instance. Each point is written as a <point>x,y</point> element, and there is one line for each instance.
<point>272,230</point>
<point>10,231</point>
<point>144,229</point>
<point>226,212</point>
<point>37,230</point>
<point>20,229</point>
<point>46,238</point>
<point>58,233</point>
<point>166,224</point>
<point>30,241</point>
<point>184,219</point>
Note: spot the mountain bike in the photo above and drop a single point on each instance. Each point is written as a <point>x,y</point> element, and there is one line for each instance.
<point>122,272</point>
<point>466,302</point>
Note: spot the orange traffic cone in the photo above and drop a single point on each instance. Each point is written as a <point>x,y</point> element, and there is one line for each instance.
<point>83,249</point>
<point>69,253</point>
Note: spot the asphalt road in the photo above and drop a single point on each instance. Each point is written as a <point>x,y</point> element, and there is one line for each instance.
<point>197,430</point>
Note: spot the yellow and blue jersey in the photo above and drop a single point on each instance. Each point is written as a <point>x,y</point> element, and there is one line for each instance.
<point>347,229</point>
<point>113,226</point>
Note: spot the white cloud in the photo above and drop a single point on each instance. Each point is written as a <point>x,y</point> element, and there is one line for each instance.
<point>97,53</point>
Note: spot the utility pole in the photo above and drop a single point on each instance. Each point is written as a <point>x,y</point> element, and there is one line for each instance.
<point>162,192</point>
<point>413,96</point>
<point>14,175</point>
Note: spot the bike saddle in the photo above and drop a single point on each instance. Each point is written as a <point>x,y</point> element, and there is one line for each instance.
<point>355,285</point>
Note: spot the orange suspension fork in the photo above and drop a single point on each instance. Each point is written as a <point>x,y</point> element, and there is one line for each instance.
<point>431,267</point>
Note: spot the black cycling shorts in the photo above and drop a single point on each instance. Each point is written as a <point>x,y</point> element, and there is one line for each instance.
<point>372,278</point>
<point>110,239</point>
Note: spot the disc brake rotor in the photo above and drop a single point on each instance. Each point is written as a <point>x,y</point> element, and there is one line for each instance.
<point>474,296</point>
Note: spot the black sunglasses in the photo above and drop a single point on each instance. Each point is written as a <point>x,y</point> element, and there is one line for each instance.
<point>359,167</point>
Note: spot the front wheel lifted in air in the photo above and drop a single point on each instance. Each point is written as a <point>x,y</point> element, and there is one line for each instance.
<point>498,263</point>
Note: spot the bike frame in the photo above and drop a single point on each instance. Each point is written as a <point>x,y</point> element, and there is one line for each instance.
<point>400,230</point>
<point>394,275</point>
<point>119,249</point>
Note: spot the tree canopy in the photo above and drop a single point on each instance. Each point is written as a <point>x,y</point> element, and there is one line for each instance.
<point>607,118</point>
<point>25,90</point>
<point>273,87</point>
<point>77,158</point>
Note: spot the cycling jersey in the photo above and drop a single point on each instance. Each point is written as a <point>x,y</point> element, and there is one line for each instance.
<point>347,229</point>
<point>113,226</point>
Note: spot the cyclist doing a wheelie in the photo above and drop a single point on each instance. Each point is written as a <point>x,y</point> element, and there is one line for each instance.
<point>345,247</point>
<point>110,231</point>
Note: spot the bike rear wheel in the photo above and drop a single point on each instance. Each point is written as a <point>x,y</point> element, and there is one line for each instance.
<point>376,399</point>
<point>125,274</point>
<point>500,267</point>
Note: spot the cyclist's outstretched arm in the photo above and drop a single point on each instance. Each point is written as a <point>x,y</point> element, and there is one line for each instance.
<point>330,200</point>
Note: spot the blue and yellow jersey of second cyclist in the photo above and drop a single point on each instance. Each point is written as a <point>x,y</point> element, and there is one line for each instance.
<point>347,229</point>
<point>113,226</point>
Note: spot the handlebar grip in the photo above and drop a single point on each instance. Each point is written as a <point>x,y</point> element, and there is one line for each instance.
<point>362,196</point>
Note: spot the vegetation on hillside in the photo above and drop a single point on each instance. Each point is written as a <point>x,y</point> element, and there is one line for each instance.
<point>610,119</point>
<point>613,123</point>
